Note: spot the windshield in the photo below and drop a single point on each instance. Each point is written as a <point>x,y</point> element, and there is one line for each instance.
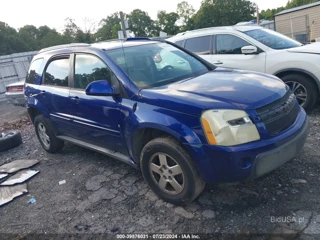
<point>272,39</point>
<point>156,64</point>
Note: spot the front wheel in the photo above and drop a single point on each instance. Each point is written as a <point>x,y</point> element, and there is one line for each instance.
<point>303,88</point>
<point>170,172</point>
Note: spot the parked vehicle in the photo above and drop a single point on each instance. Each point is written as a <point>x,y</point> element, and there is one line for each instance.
<point>262,50</point>
<point>179,119</point>
<point>14,94</point>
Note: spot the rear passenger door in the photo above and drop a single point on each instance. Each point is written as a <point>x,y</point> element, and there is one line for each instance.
<point>201,46</point>
<point>96,119</point>
<point>54,92</point>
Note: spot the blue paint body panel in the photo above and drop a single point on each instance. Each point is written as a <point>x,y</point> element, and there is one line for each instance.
<point>113,121</point>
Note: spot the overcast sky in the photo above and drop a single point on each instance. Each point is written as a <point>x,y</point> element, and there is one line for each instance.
<point>52,13</point>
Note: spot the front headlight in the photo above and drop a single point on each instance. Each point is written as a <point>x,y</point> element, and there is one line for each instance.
<point>228,127</point>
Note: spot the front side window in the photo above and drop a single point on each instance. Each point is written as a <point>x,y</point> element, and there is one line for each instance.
<point>272,39</point>
<point>230,44</point>
<point>156,64</point>
<point>89,68</point>
<point>34,73</point>
<point>198,45</point>
<point>57,73</point>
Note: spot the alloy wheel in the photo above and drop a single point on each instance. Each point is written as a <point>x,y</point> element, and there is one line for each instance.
<point>299,91</point>
<point>45,139</point>
<point>167,173</point>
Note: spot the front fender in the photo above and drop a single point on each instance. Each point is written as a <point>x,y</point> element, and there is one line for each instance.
<point>183,127</point>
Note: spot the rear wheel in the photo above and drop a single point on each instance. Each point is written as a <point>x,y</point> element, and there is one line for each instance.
<point>46,136</point>
<point>303,88</point>
<point>170,172</point>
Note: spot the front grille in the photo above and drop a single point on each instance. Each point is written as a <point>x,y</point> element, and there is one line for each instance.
<point>281,114</point>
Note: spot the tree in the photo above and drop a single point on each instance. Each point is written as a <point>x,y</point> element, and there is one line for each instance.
<point>141,24</point>
<point>10,41</point>
<point>167,22</point>
<point>73,33</point>
<point>222,12</point>
<point>109,27</point>
<point>185,12</point>
<point>29,34</point>
<point>298,3</point>
<point>48,37</point>
<point>269,13</point>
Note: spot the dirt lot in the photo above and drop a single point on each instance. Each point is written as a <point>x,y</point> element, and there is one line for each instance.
<point>104,196</point>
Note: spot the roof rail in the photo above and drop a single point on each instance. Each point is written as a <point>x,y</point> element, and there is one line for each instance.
<point>138,38</point>
<point>202,29</point>
<point>64,46</point>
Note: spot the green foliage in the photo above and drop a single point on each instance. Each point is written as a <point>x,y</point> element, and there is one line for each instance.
<point>222,13</point>
<point>298,3</point>
<point>141,23</point>
<point>185,12</point>
<point>167,22</point>
<point>211,13</point>
<point>269,13</point>
<point>108,27</point>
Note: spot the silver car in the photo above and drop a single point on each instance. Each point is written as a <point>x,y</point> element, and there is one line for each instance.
<point>15,94</point>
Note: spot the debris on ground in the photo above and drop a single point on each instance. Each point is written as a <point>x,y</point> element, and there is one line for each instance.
<point>7,194</point>
<point>17,165</point>
<point>12,178</point>
<point>32,200</point>
<point>3,176</point>
<point>20,177</point>
<point>18,124</point>
<point>296,181</point>
<point>62,182</point>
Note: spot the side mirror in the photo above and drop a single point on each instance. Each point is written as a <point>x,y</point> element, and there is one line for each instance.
<point>249,50</point>
<point>101,88</point>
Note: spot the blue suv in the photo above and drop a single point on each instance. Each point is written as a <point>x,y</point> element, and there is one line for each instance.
<point>159,108</point>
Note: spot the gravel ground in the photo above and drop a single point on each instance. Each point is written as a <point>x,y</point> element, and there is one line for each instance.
<point>104,196</point>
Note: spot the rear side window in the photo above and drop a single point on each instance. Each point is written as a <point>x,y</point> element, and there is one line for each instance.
<point>34,73</point>
<point>230,44</point>
<point>57,73</point>
<point>89,68</point>
<point>199,45</point>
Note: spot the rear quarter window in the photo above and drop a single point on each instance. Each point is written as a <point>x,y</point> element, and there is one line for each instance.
<point>34,73</point>
<point>179,43</point>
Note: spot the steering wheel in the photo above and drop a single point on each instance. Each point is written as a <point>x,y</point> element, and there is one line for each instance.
<point>166,68</point>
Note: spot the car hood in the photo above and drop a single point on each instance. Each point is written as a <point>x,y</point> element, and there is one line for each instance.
<point>313,48</point>
<point>219,89</point>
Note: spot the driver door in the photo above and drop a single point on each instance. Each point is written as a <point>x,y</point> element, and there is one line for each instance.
<point>96,119</point>
<point>228,54</point>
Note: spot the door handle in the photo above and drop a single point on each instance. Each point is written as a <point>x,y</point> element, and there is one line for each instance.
<point>181,62</point>
<point>217,62</point>
<point>75,99</point>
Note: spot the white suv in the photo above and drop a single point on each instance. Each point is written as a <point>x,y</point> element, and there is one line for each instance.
<point>262,50</point>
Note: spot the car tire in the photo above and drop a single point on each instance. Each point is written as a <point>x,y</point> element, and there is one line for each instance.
<point>300,84</point>
<point>10,140</point>
<point>46,137</point>
<point>161,161</point>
